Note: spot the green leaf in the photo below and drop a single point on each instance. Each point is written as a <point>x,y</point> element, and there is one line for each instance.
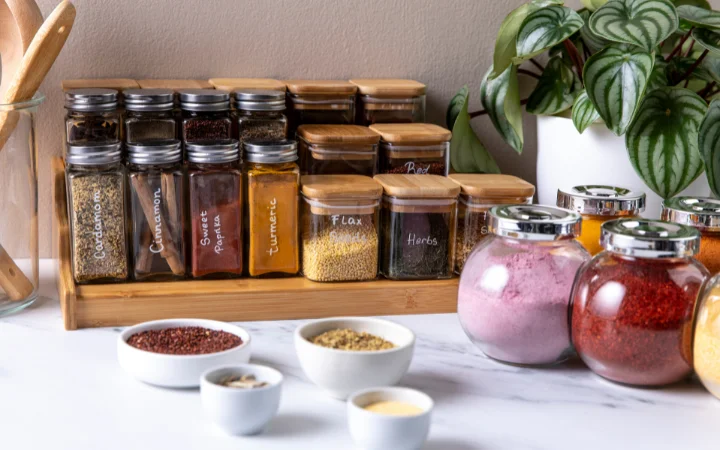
<point>544,28</point>
<point>556,90</point>
<point>584,112</point>
<point>592,40</point>
<point>709,142</point>
<point>663,140</point>
<point>507,37</point>
<point>699,3</point>
<point>708,39</point>
<point>644,23</point>
<point>699,17</point>
<point>455,106</point>
<point>615,80</point>
<point>678,67</point>
<point>592,5</point>
<point>658,78</point>
<point>712,65</point>
<point>467,154</point>
<point>501,99</point>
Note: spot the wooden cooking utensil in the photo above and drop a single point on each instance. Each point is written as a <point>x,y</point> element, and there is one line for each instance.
<point>37,61</point>
<point>19,22</point>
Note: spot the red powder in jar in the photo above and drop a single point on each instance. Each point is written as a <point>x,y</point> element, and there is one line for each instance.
<point>631,318</point>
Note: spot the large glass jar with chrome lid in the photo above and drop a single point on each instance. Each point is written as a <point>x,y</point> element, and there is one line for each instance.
<point>149,115</point>
<point>390,101</point>
<point>702,214</point>
<point>271,195</point>
<point>96,204</point>
<point>633,304</point>
<point>157,210</point>
<point>216,210</point>
<point>92,116</point>
<point>205,115</point>
<point>597,204</point>
<point>515,287</point>
<point>320,102</point>
<point>259,114</point>
<point>706,340</point>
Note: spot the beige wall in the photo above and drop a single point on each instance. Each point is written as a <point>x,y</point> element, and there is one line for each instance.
<point>444,43</point>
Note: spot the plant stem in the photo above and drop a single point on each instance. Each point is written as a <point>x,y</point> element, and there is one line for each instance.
<point>695,65</point>
<point>689,52</point>
<point>575,57</point>
<point>483,112</point>
<point>706,90</point>
<point>537,64</point>
<point>678,47</point>
<point>529,73</point>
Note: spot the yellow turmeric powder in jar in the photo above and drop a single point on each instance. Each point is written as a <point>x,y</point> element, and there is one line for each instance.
<point>598,204</point>
<point>703,214</point>
<point>706,347</point>
<point>273,180</point>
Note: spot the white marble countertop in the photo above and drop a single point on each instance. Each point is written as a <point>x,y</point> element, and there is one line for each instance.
<point>65,390</point>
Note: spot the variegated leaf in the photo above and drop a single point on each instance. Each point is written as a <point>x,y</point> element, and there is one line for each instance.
<point>615,80</point>
<point>708,39</point>
<point>556,90</point>
<point>662,141</point>
<point>699,17</point>
<point>658,78</point>
<point>467,153</point>
<point>709,142</point>
<point>544,28</point>
<point>501,98</point>
<point>584,112</point>
<point>592,5</point>
<point>455,106</point>
<point>592,40</point>
<point>644,23</point>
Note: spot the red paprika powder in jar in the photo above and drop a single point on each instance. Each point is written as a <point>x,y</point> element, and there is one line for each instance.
<point>633,304</point>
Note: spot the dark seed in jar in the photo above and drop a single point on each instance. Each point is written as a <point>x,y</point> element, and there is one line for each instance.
<point>184,341</point>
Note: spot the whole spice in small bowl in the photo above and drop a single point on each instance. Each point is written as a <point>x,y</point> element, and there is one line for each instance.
<point>242,382</point>
<point>184,341</point>
<point>347,339</point>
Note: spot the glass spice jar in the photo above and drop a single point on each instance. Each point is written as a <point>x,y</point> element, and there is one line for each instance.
<point>414,148</point>
<point>241,84</point>
<point>597,204</point>
<point>479,193</point>
<point>259,114</point>
<point>320,102</point>
<point>157,210</point>
<point>272,179</point>
<point>702,214</point>
<point>96,203</point>
<point>205,114</point>
<point>149,115</point>
<point>390,101</point>
<point>216,213</point>
<point>339,224</point>
<point>633,304</point>
<point>706,347</point>
<point>338,150</point>
<point>92,116</point>
<point>515,287</point>
<point>418,220</point>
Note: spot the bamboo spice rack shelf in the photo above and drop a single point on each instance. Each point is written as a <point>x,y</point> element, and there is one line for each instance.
<point>85,306</point>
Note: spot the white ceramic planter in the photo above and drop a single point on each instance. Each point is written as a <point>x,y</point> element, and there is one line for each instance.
<point>567,158</point>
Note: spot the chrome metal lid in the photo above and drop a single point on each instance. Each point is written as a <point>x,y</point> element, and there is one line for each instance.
<point>270,151</point>
<point>217,151</point>
<point>91,99</point>
<point>155,152</point>
<point>533,222</point>
<point>259,100</point>
<point>601,200</point>
<point>649,238</point>
<point>149,99</point>
<point>94,154</point>
<point>204,100</point>
<point>698,212</point>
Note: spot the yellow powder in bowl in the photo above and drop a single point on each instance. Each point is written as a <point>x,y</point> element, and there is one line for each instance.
<point>391,408</point>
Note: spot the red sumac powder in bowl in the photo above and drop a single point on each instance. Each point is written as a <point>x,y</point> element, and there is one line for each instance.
<point>184,341</point>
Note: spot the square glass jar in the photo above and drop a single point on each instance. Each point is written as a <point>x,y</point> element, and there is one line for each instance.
<point>413,148</point>
<point>149,115</point>
<point>418,221</point>
<point>93,116</point>
<point>205,115</point>
<point>320,102</point>
<point>340,227</point>
<point>338,150</point>
<point>389,101</point>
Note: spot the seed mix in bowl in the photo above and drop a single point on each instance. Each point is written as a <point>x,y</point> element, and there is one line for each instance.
<point>184,341</point>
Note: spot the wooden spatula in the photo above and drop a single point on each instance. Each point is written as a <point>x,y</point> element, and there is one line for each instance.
<point>19,22</point>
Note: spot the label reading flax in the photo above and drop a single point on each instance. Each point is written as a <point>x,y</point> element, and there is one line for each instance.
<point>343,235</point>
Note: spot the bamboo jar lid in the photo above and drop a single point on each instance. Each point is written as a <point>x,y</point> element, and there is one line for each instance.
<point>327,187</point>
<point>389,87</point>
<point>493,185</point>
<point>240,84</point>
<point>119,84</point>
<point>418,186</point>
<point>320,87</point>
<point>338,134</point>
<point>175,85</point>
<point>412,133</point>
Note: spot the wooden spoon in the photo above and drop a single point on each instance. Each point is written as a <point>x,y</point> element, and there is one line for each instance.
<point>36,63</point>
<point>19,22</point>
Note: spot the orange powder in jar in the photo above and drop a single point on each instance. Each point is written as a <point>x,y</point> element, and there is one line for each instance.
<point>590,234</point>
<point>703,214</point>
<point>710,251</point>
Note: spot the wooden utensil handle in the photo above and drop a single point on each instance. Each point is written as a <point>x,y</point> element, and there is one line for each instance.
<point>13,281</point>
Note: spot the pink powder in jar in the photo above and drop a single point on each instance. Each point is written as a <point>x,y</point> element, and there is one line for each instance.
<point>513,299</point>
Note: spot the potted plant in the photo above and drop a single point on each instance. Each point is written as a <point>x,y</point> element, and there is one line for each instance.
<point>622,98</point>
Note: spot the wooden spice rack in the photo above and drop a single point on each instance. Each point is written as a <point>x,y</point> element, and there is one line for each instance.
<point>105,305</point>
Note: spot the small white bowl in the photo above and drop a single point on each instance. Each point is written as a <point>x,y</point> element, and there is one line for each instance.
<point>178,371</point>
<point>342,372</point>
<point>241,411</point>
<point>375,431</point>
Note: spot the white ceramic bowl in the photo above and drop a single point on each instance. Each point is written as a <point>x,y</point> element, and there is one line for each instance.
<point>178,371</point>
<point>241,411</point>
<point>374,431</point>
<point>342,372</point>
